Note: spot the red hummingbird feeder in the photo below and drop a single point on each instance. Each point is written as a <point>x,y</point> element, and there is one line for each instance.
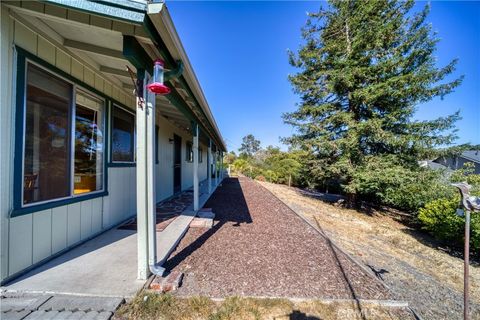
<point>157,85</point>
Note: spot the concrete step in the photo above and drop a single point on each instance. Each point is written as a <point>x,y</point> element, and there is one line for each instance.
<point>201,223</point>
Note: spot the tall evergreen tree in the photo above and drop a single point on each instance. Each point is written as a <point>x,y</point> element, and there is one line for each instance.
<point>249,146</point>
<point>363,69</point>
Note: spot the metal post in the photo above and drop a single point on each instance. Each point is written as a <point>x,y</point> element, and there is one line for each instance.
<point>466,265</point>
<point>470,204</point>
<point>195,168</point>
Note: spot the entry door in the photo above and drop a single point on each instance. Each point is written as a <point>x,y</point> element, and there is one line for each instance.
<point>177,164</point>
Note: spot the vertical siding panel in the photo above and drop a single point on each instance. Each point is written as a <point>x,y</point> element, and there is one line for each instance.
<point>73,229</point>
<point>107,89</point>
<point>113,195</point>
<point>97,213</point>
<point>42,235</point>
<point>59,229</point>
<point>63,61</point>
<point>77,70</point>
<point>25,38</point>
<point>98,83</point>
<point>20,242</point>
<point>89,77</point>
<point>46,50</point>
<point>106,212</point>
<point>86,219</point>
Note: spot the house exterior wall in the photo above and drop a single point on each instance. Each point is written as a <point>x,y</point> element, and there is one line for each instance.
<point>164,176</point>
<point>458,162</point>
<point>32,238</point>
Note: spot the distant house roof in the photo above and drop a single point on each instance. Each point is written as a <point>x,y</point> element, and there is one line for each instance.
<point>433,165</point>
<point>471,155</point>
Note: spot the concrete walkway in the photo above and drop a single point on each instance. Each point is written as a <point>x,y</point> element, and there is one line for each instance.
<point>102,268</point>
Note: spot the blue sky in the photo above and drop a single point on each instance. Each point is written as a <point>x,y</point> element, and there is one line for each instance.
<point>239,53</point>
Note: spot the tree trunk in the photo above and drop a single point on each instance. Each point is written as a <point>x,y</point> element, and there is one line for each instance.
<point>352,201</point>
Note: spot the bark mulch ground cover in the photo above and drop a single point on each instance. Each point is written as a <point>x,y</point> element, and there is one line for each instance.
<point>414,265</point>
<point>259,247</point>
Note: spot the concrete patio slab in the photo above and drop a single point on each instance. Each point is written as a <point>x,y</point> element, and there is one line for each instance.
<point>104,266</point>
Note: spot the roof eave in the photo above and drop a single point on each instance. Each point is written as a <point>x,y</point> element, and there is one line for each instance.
<point>163,23</point>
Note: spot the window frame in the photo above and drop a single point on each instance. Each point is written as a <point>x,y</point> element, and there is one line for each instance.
<point>114,163</point>
<point>22,59</point>
<point>189,151</point>
<point>200,154</point>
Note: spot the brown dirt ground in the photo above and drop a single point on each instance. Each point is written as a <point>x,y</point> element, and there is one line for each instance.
<point>410,262</point>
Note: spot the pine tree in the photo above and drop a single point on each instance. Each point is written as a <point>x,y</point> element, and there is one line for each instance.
<point>249,146</point>
<point>363,69</point>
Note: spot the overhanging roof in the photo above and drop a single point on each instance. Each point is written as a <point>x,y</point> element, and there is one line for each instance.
<point>147,15</point>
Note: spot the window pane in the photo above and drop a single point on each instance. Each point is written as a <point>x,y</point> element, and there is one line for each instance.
<point>123,135</point>
<point>88,144</point>
<point>47,137</point>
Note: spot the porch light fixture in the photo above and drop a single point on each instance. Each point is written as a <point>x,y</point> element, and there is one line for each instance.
<point>157,85</point>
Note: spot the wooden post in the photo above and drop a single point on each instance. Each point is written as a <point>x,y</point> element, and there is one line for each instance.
<point>195,168</point>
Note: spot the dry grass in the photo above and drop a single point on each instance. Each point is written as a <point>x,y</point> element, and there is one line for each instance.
<point>410,261</point>
<point>167,307</point>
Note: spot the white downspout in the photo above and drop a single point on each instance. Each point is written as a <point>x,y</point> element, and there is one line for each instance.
<point>151,191</point>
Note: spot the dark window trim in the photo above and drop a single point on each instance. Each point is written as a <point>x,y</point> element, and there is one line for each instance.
<point>21,64</point>
<point>200,154</point>
<point>120,164</point>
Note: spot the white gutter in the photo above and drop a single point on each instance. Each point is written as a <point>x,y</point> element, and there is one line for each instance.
<point>162,20</point>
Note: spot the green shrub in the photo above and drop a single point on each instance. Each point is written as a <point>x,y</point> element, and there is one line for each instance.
<point>384,180</point>
<point>439,218</point>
